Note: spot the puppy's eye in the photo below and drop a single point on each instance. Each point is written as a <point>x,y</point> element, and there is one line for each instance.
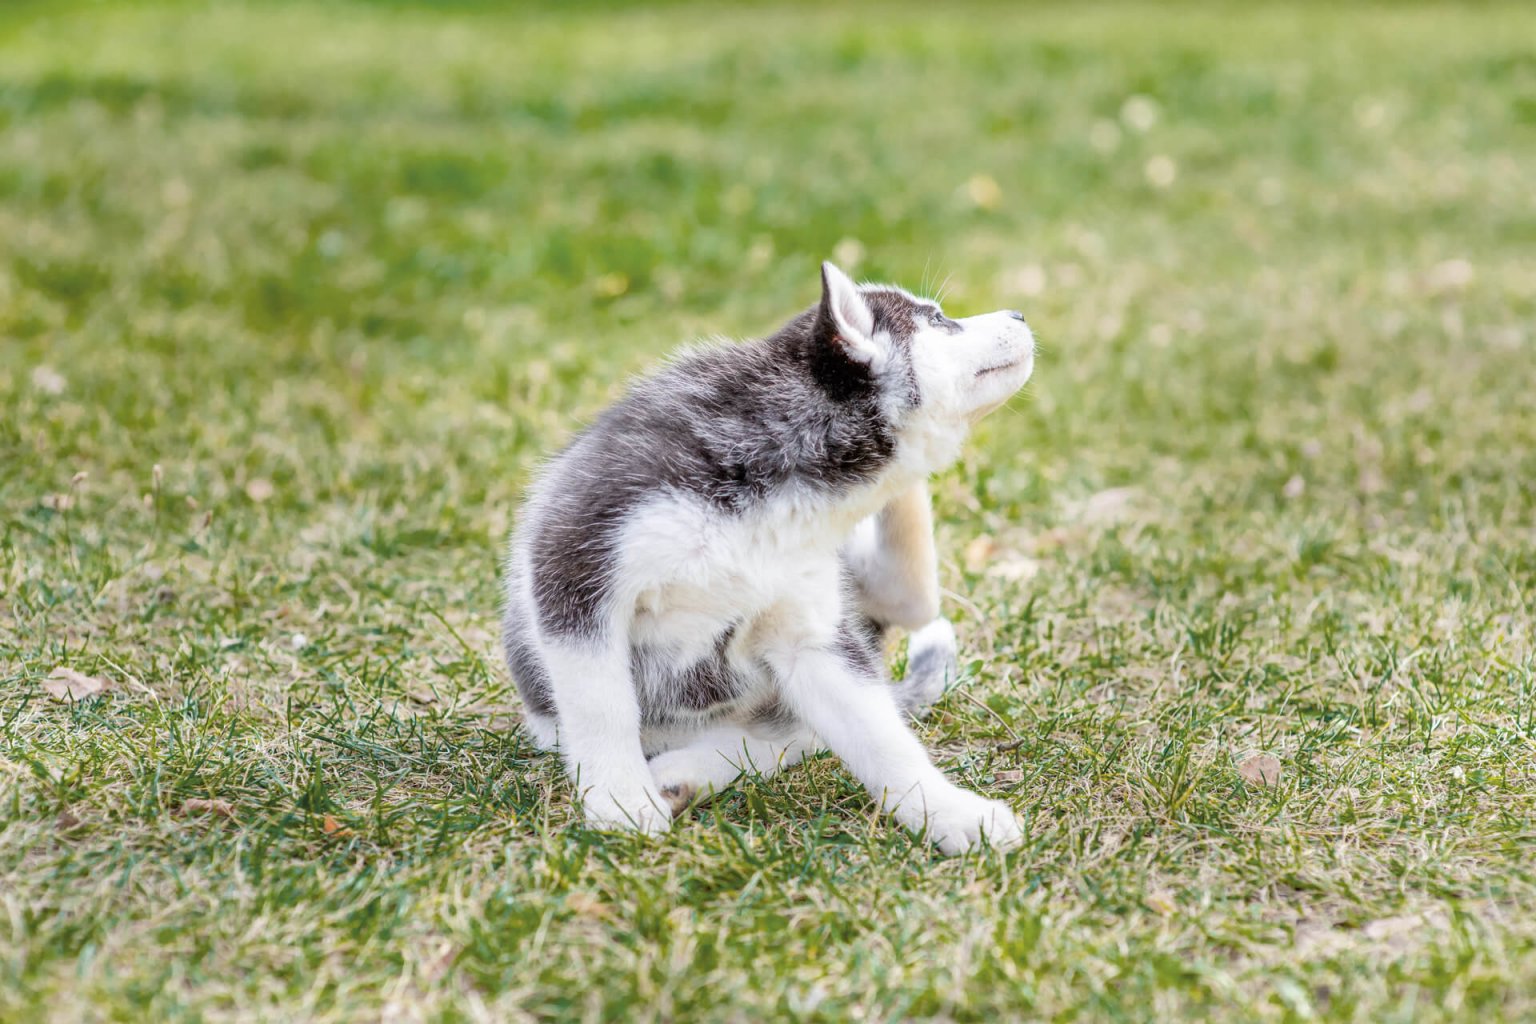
<point>938,319</point>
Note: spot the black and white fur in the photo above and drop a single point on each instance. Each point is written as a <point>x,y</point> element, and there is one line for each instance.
<point>700,583</point>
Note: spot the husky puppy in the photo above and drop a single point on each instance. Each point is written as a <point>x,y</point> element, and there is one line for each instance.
<point>700,584</point>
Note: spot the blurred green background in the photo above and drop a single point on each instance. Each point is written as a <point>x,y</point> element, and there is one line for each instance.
<point>293,297</point>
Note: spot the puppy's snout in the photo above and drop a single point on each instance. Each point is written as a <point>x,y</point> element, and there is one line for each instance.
<point>1014,314</point>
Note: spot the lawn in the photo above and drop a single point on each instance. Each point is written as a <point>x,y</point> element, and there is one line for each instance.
<point>294,297</point>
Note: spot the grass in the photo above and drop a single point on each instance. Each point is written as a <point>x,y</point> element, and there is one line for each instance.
<point>292,299</point>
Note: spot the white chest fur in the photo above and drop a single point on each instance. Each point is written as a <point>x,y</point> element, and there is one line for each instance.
<point>694,572</point>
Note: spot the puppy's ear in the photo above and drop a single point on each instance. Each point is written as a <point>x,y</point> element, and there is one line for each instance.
<point>846,318</point>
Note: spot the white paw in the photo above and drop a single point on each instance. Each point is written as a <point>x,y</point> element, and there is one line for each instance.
<point>682,775</point>
<point>933,666</point>
<point>958,820</point>
<point>640,810</point>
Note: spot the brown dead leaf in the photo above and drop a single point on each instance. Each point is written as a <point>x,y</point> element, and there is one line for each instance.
<point>67,684</point>
<point>979,552</point>
<point>1053,539</point>
<point>587,905</point>
<point>217,808</point>
<point>1009,775</point>
<point>331,827</point>
<point>66,821</point>
<point>439,965</point>
<point>1260,770</point>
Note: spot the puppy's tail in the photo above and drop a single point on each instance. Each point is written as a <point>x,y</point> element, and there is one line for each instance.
<point>933,666</point>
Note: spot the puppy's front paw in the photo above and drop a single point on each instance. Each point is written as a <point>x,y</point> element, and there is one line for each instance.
<point>641,810</point>
<point>958,821</point>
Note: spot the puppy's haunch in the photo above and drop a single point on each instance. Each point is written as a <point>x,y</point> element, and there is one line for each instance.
<point>699,585</point>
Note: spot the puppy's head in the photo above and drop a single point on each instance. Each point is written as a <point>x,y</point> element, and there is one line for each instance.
<point>927,370</point>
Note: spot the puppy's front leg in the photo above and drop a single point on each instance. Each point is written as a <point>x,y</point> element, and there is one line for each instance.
<point>599,733</point>
<point>857,718</point>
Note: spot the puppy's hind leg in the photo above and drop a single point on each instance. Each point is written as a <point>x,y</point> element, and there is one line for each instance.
<point>894,564</point>
<point>716,758</point>
<point>896,579</point>
<point>933,666</point>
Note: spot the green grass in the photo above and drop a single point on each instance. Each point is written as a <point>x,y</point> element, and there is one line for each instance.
<point>343,273</point>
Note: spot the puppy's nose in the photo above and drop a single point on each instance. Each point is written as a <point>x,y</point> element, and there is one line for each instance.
<point>1015,314</point>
